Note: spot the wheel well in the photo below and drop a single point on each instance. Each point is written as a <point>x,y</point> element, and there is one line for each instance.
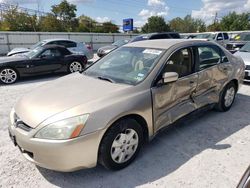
<point>139,119</point>
<point>236,83</point>
<point>9,67</point>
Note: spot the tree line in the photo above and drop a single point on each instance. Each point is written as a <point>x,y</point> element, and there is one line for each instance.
<point>62,18</point>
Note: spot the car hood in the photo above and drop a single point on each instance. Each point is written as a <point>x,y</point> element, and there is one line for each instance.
<point>245,56</point>
<point>12,59</point>
<point>18,50</point>
<point>237,42</point>
<point>64,94</point>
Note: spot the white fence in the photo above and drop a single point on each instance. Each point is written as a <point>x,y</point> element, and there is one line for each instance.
<point>10,40</point>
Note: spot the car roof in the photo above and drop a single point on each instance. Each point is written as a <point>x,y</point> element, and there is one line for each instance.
<point>57,39</point>
<point>151,34</point>
<point>165,43</point>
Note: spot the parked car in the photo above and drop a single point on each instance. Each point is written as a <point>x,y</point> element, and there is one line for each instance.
<point>42,60</point>
<point>106,49</point>
<point>245,180</point>
<point>105,114</point>
<point>244,53</point>
<point>74,47</point>
<point>154,36</point>
<point>238,42</point>
<point>221,38</point>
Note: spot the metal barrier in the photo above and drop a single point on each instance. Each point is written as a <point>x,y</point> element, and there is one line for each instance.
<point>10,40</point>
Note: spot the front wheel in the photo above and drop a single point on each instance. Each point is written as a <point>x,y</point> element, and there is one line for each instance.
<point>120,144</point>
<point>8,76</point>
<point>227,97</point>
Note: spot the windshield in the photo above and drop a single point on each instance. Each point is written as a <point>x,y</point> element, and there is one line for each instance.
<point>120,43</point>
<point>33,53</point>
<point>245,48</point>
<point>242,37</point>
<point>205,36</point>
<point>127,65</point>
<point>37,45</point>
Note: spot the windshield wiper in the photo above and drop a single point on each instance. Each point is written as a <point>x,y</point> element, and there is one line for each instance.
<point>106,79</point>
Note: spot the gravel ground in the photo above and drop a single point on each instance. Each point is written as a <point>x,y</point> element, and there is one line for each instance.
<point>212,150</point>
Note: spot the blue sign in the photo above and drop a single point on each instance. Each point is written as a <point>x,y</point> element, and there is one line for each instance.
<point>128,24</point>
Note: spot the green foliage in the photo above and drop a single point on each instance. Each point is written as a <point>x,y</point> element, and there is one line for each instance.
<point>187,25</point>
<point>235,22</point>
<point>18,21</point>
<point>155,24</point>
<point>50,23</point>
<point>66,12</point>
<point>63,19</point>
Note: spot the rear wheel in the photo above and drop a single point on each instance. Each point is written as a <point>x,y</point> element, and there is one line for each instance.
<point>227,97</point>
<point>75,66</point>
<point>8,75</point>
<point>121,144</point>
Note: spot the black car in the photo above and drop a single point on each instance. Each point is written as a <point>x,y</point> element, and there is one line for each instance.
<point>106,49</point>
<point>153,36</point>
<point>238,42</point>
<point>42,60</point>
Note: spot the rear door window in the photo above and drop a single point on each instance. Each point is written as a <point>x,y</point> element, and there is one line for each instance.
<point>208,56</point>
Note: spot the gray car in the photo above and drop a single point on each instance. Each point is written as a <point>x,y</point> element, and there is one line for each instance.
<point>123,100</point>
<point>244,53</point>
<point>73,46</point>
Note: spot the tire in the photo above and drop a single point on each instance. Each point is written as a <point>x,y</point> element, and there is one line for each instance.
<point>8,75</point>
<point>75,66</point>
<point>125,139</point>
<point>227,98</point>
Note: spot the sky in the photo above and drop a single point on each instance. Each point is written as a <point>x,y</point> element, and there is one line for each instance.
<point>140,10</point>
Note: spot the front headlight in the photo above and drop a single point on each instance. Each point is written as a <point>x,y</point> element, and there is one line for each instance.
<point>64,129</point>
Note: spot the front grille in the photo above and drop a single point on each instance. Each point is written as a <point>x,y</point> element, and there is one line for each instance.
<point>18,123</point>
<point>247,67</point>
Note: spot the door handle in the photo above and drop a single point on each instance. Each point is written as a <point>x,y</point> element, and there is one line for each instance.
<point>191,82</point>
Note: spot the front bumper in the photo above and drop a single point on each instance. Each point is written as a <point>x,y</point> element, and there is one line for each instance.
<point>59,155</point>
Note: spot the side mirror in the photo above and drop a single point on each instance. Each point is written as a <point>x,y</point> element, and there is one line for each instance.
<point>219,38</point>
<point>168,77</point>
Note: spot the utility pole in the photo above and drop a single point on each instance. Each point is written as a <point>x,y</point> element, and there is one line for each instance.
<point>216,18</point>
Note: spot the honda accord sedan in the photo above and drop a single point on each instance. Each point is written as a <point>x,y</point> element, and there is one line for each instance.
<point>107,113</point>
<point>41,60</point>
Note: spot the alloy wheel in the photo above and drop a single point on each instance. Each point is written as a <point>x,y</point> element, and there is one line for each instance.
<point>75,67</point>
<point>8,76</point>
<point>229,96</point>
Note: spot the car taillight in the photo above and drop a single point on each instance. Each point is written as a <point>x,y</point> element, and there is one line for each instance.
<point>89,47</point>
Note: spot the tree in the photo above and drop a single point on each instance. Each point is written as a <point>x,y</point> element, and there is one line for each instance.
<point>106,27</point>
<point>235,22</point>
<point>14,20</point>
<point>67,13</point>
<point>50,23</point>
<point>155,24</point>
<point>86,24</point>
<point>187,25</point>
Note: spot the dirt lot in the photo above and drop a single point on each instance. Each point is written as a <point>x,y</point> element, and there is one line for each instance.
<point>212,150</point>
